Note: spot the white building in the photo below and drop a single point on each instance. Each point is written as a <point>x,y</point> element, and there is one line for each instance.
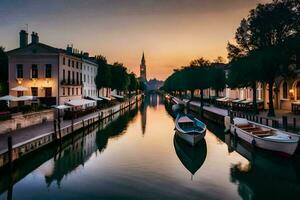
<point>89,72</point>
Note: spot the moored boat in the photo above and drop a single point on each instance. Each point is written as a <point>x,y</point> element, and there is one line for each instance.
<point>190,129</point>
<point>264,137</point>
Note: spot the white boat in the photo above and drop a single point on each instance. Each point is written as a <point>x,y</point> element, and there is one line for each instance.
<point>264,137</point>
<point>190,129</point>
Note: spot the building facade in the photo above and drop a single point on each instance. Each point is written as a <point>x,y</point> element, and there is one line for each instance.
<point>89,72</point>
<point>52,75</point>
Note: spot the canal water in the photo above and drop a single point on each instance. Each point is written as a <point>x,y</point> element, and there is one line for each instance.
<point>137,156</point>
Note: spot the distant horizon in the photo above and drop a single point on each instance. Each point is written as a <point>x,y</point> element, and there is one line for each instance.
<point>171,33</point>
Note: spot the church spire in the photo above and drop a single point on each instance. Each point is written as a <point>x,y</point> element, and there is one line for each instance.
<point>143,74</point>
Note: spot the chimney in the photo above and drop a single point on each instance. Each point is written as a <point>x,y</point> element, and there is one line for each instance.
<point>86,54</point>
<point>69,49</point>
<point>34,38</point>
<point>23,39</point>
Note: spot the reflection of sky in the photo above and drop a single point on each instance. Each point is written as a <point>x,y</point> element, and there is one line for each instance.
<point>134,165</point>
<point>171,32</point>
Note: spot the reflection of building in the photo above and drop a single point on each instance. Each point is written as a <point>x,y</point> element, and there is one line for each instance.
<point>72,156</point>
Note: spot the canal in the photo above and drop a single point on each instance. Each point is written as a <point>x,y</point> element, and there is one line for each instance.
<point>137,157</point>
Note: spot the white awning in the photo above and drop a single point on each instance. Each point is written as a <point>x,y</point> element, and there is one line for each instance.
<point>106,98</point>
<point>19,88</point>
<point>117,96</point>
<point>62,107</point>
<point>9,98</point>
<point>26,98</point>
<point>95,98</point>
<point>80,102</point>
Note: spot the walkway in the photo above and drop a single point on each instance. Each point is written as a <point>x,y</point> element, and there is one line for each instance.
<point>28,133</point>
<point>279,114</point>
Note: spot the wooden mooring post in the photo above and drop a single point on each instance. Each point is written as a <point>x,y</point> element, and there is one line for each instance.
<point>285,123</point>
<point>10,151</point>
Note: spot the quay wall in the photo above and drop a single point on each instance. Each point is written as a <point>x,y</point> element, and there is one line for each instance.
<point>19,150</point>
<point>24,120</point>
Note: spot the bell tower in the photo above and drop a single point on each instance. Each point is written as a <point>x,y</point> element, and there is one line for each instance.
<point>143,74</point>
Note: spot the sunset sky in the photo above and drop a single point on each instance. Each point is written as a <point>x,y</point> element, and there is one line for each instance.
<point>170,32</point>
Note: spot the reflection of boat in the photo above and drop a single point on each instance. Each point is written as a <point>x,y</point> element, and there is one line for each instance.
<point>264,137</point>
<point>264,176</point>
<point>191,157</point>
<point>190,129</point>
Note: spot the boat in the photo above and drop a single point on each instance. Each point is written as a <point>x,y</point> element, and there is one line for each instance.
<point>192,158</point>
<point>190,129</point>
<point>264,137</point>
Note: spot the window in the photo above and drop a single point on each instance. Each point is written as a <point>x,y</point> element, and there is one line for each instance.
<point>77,64</point>
<point>69,62</point>
<point>84,78</point>
<point>80,78</point>
<point>68,91</point>
<point>284,90</point>
<point>48,92</point>
<point>77,77</point>
<point>72,63</point>
<point>34,71</point>
<point>64,60</point>
<point>48,70</point>
<point>34,91</point>
<point>64,75</point>
<point>69,76</point>
<point>73,91</point>
<point>298,90</point>
<point>19,71</point>
<point>20,93</point>
<point>76,91</point>
<point>73,77</point>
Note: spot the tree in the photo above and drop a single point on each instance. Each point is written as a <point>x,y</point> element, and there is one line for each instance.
<point>103,78</point>
<point>119,76</point>
<point>133,83</point>
<point>266,29</point>
<point>217,76</point>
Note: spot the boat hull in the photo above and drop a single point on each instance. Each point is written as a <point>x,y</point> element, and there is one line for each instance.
<point>284,147</point>
<point>191,139</point>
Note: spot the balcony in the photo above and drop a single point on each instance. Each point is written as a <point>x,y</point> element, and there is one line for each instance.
<point>71,82</point>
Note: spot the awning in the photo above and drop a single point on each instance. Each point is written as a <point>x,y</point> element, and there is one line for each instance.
<point>26,98</point>
<point>105,98</point>
<point>95,98</point>
<point>9,98</point>
<point>80,102</point>
<point>19,88</point>
<point>117,96</point>
<point>62,107</point>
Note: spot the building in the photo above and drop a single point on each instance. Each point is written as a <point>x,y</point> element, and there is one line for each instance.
<point>143,69</point>
<point>51,74</point>
<point>89,72</point>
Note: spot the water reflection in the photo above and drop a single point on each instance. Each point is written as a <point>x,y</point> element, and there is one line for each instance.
<point>113,130</point>
<point>191,157</point>
<point>55,162</point>
<point>116,161</point>
<point>265,176</point>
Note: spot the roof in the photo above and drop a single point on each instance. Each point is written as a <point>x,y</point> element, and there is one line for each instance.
<point>48,48</point>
